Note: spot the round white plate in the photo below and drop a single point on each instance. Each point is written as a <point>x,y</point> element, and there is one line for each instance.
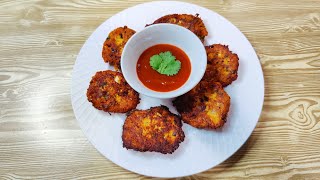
<point>201,149</point>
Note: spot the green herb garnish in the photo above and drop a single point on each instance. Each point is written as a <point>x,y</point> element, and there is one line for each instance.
<point>165,63</point>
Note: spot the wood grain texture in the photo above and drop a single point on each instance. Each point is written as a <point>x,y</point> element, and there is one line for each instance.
<point>39,136</point>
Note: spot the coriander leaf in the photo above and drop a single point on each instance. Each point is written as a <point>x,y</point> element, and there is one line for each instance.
<point>167,56</point>
<point>165,63</point>
<point>173,68</point>
<point>155,61</point>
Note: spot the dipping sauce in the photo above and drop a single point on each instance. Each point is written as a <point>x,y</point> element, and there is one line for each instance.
<point>160,82</point>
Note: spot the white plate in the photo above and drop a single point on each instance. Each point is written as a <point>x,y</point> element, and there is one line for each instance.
<point>201,149</point>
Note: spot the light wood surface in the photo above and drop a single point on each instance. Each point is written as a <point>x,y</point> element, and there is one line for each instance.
<point>39,135</point>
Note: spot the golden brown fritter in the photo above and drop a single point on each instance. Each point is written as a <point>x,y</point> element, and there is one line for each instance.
<point>222,64</point>
<point>109,91</point>
<point>206,106</point>
<point>155,129</point>
<point>191,22</point>
<point>114,44</point>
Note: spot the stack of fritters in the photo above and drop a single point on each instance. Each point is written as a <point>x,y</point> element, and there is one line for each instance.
<point>157,129</point>
<point>206,106</point>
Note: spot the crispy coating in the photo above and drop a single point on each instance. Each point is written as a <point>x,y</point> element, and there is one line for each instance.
<point>191,22</point>
<point>114,44</point>
<point>155,129</point>
<point>222,64</point>
<point>109,91</point>
<point>205,107</point>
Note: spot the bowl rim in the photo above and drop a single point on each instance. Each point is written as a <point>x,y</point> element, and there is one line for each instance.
<point>158,94</point>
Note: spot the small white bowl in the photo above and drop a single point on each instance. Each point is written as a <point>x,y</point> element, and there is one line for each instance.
<point>163,34</point>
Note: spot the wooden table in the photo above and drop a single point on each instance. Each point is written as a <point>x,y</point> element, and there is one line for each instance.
<point>40,138</point>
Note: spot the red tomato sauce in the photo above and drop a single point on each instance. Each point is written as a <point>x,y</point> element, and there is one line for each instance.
<point>160,82</point>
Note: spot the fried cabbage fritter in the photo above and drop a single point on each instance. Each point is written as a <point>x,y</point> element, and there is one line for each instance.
<point>222,64</point>
<point>109,91</point>
<point>114,44</point>
<point>191,22</point>
<point>155,129</point>
<point>205,107</point>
